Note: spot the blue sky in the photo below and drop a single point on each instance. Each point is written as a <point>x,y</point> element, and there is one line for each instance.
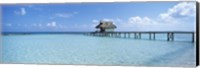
<point>135,16</point>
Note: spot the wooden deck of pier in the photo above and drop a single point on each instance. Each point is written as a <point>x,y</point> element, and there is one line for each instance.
<point>138,35</point>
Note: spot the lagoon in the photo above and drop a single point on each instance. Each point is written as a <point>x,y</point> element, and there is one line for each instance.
<point>90,50</point>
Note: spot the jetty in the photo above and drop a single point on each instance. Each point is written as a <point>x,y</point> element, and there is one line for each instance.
<point>170,35</point>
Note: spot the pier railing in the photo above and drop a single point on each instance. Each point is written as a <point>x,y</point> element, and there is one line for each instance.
<point>138,35</point>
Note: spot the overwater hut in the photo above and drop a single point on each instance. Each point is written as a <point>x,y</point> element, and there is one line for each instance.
<point>106,26</point>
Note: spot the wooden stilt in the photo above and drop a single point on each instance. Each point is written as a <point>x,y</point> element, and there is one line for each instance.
<point>154,37</point>
<point>150,36</point>
<point>172,36</point>
<point>193,39</point>
<point>120,35</point>
<point>135,36</point>
<point>168,36</point>
<point>124,35</point>
<point>139,35</point>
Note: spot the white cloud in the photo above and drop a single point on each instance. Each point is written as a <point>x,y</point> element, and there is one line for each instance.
<point>22,11</point>
<point>95,21</point>
<point>52,24</point>
<point>118,20</point>
<point>64,15</point>
<point>114,20</point>
<point>138,23</point>
<point>181,10</point>
<point>140,20</point>
<point>107,19</point>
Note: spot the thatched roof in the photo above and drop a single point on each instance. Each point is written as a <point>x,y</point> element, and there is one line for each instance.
<point>106,25</point>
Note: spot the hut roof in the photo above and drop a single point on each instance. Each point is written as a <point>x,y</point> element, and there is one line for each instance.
<point>106,25</point>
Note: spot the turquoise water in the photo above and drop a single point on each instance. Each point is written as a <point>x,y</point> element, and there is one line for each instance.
<point>90,50</point>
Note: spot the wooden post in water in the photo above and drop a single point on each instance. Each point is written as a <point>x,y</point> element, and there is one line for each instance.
<point>150,36</point>
<point>114,34</point>
<point>193,37</point>
<point>154,36</point>
<point>111,35</point>
<point>135,36</point>
<point>117,35</point>
<point>168,38</point>
<point>124,35</point>
<point>139,35</point>
<point>172,36</point>
<point>120,35</point>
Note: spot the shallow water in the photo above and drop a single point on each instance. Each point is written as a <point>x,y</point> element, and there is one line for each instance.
<point>90,50</point>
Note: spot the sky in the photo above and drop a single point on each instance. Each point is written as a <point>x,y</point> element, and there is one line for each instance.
<point>72,17</point>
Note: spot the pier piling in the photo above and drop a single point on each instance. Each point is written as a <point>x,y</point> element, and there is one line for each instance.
<point>135,36</point>
<point>154,36</point>
<point>193,35</point>
<point>150,36</point>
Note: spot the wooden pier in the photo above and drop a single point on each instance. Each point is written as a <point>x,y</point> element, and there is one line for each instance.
<point>138,35</point>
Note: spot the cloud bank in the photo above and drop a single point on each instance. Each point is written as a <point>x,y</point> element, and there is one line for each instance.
<point>180,17</point>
